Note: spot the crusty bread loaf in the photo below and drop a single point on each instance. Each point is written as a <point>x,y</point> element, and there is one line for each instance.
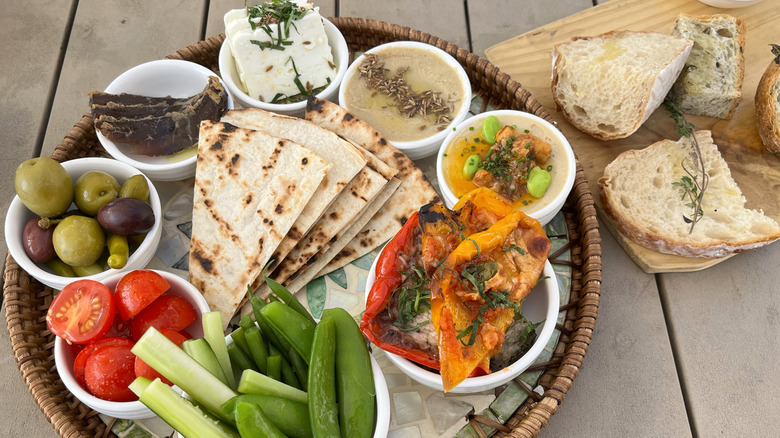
<point>711,82</point>
<point>639,198</point>
<point>608,85</point>
<point>768,104</point>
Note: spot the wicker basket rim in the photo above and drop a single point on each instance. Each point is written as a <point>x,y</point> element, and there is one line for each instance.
<point>26,300</point>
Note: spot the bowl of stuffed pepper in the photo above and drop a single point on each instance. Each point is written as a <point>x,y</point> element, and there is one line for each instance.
<point>463,300</point>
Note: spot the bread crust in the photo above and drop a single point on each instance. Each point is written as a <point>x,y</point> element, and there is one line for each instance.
<point>655,242</point>
<point>766,111</point>
<point>557,61</point>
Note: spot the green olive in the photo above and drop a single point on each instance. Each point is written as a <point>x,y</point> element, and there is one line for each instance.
<point>78,240</point>
<point>93,190</point>
<point>471,166</point>
<point>83,271</point>
<point>490,127</point>
<point>135,187</point>
<point>60,268</point>
<point>44,186</point>
<point>538,182</point>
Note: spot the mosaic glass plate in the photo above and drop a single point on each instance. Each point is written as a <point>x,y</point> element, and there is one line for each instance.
<point>416,410</point>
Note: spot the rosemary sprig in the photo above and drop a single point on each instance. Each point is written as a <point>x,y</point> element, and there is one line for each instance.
<point>694,183</point>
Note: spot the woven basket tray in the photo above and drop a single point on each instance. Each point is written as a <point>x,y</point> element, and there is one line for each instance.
<point>26,300</point>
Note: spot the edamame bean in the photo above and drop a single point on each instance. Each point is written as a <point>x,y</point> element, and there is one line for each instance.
<point>471,166</point>
<point>490,127</point>
<point>538,182</point>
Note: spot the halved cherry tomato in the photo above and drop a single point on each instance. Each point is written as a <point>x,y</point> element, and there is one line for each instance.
<point>142,369</point>
<point>109,371</point>
<point>167,312</point>
<point>138,289</point>
<point>80,363</point>
<point>83,311</point>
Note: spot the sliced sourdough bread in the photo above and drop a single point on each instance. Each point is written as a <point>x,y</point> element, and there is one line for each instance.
<point>608,85</point>
<point>768,104</point>
<point>639,198</point>
<point>711,82</point>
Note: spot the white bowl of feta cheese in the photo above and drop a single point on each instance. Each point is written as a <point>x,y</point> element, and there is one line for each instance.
<point>275,63</point>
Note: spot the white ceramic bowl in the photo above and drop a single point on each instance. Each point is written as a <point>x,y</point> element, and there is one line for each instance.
<point>165,77</point>
<point>18,215</point>
<point>542,304</point>
<point>548,206</point>
<point>729,4</point>
<point>65,354</point>
<point>338,46</point>
<point>428,146</point>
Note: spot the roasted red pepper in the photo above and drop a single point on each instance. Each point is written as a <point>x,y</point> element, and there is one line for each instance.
<point>388,279</point>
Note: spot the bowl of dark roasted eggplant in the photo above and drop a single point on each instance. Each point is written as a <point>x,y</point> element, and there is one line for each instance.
<point>149,116</point>
<point>464,299</point>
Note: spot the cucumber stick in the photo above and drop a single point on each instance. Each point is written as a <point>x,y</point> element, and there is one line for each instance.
<point>199,350</point>
<point>178,412</point>
<point>185,372</point>
<point>212,331</point>
<point>253,382</point>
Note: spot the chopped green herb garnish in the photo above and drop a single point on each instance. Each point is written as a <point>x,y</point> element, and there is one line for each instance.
<point>514,247</point>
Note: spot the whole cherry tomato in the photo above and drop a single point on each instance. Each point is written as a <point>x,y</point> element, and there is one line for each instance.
<point>80,363</point>
<point>109,371</point>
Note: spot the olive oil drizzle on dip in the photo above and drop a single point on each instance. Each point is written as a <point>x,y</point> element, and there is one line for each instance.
<point>494,158</point>
<point>406,93</point>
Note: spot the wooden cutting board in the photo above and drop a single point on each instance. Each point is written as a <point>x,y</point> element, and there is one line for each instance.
<point>528,59</point>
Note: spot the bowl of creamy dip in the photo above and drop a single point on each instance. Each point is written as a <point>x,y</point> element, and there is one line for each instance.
<point>412,93</point>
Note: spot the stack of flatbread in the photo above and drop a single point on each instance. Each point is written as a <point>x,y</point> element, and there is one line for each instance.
<point>308,196</point>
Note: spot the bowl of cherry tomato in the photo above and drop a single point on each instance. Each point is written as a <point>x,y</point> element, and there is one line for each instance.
<point>97,323</point>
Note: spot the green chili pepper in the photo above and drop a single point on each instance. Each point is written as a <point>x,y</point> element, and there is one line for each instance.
<point>119,250</point>
<point>538,182</point>
<point>323,407</point>
<point>471,166</point>
<point>490,127</point>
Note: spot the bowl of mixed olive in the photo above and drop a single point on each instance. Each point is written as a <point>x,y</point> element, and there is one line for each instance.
<point>518,155</point>
<point>83,218</point>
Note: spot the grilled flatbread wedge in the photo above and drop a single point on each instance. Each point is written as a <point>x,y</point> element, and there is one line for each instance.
<point>348,207</point>
<point>347,159</point>
<point>250,188</point>
<point>415,189</point>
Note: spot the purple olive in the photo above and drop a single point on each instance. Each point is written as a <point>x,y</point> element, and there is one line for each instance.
<point>126,216</point>
<point>37,241</point>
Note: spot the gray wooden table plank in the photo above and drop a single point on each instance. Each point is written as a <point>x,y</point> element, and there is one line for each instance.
<point>30,62</point>
<point>726,322</point>
<point>110,37</point>
<point>627,386</point>
<point>498,20</point>
<point>443,18</point>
